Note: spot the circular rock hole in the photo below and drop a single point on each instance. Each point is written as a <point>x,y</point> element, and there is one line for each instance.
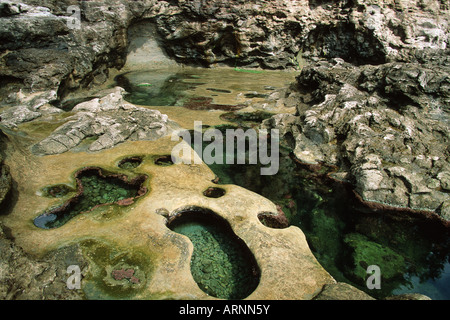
<point>221,263</point>
<point>164,161</point>
<point>95,188</point>
<point>214,192</point>
<point>273,220</point>
<point>130,163</point>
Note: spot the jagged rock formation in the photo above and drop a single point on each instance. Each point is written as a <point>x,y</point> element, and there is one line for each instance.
<point>41,50</point>
<point>28,107</point>
<point>385,127</point>
<point>109,119</point>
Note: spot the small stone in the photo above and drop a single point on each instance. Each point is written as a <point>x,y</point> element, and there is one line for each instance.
<point>433,183</point>
<point>445,210</point>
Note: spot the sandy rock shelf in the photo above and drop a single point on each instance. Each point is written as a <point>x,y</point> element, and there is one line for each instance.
<point>288,268</point>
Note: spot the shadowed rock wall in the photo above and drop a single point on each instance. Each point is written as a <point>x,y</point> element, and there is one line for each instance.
<point>39,50</point>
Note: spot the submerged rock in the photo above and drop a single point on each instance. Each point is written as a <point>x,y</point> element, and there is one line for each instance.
<point>409,296</point>
<point>366,253</point>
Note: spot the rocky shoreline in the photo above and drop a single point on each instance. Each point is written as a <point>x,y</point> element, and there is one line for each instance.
<point>372,97</point>
<point>385,127</point>
<point>377,106</point>
<point>40,50</point>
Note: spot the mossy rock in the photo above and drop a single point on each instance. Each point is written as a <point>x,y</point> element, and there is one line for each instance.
<point>221,265</point>
<point>365,253</point>
<point>115,272</point>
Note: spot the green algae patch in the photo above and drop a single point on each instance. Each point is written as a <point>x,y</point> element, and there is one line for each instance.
<point>130,163</point>
<point>115,272</point>
<point>95,189</point>
<point>248,70</point>
<point>366,252</point>
<point>144,85</point>
<point>221,263</point>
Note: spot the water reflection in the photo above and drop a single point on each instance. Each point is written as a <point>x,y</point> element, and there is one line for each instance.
<point>218,86</point>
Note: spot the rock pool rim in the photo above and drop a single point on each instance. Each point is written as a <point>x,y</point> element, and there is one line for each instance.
<point>214,192</point>
<point>201,214</point>
<point>183,215</point>
<point>56,191</point>
<point>137,181</point>
<point>163,160</point>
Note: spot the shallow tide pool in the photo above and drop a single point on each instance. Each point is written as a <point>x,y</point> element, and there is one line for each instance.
<point>221,263</point>
<point>413,254</point>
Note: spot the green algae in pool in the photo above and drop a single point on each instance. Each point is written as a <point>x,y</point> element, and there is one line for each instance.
<point>130,163</point>
<point>115,272</point>
<point>412,252</point>
<point>95,189</point>
<point>221,264</point>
